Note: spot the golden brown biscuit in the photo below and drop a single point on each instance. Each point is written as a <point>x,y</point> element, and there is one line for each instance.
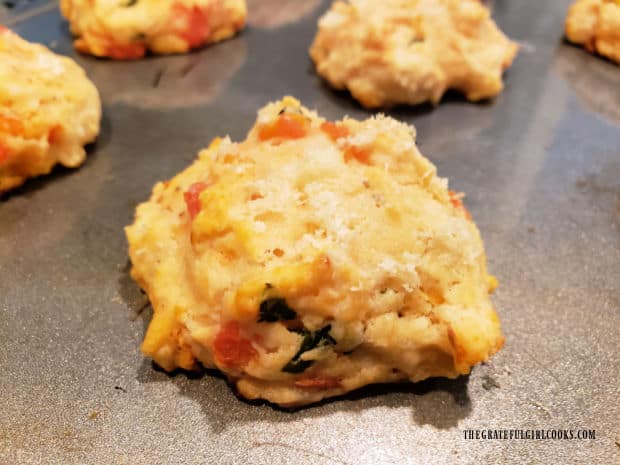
<point>411,51</point>
<point>49,110</point>
<point>595,24</point>
<point>312,259</point>
<point>126,29</point>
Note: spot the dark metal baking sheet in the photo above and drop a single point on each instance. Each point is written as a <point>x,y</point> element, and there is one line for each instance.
<point>540,165</point>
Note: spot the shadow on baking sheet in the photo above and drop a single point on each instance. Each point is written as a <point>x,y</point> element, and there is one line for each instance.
<point>135,298</point>
<point>439,402</point>
<point>347,103</point>
<point>33,185</point>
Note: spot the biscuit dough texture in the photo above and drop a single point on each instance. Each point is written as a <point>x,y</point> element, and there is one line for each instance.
<point>411,51</point>
<point>311,259</point>
<point>127,29</point>
<point>49,110</point>
<point>595,24</point>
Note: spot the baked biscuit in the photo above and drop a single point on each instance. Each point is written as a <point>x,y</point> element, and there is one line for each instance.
<point>127,29</point>
<point>312,259</point>
<point>411,51</point>
<point>49,110</point>
<point>595,24</point>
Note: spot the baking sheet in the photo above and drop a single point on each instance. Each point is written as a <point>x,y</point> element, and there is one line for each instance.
<point>541,169</point>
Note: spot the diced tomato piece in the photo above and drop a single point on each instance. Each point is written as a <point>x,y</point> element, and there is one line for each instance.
<point>334,131</point>
<point>457,203</point>
<point>54,134</point>
<point>112,48</point>
<point>4,153</point>
<point>196,20</point>
<point>230,348</point>
<point>317,382</point>
<point>455,200</point>
<point>192,198</point>
<point>130,51</point>
<point>287,126</point>
<point>2,29</point>
<point>360,154</point>
<point>11,125</point>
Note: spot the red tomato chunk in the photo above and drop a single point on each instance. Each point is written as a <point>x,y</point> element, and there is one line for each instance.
<point>317,382</point>
<point>334,131</point>
<point>196,20</point>
<point>230,348</point>
<point>192,198</point>
<point>287,126</point>
<point>4,154</point>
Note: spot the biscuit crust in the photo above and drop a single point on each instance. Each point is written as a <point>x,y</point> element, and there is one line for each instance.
<point>49,110</point>
<point>127,29</point>
<point>311,259</point>
<point>411,51</point>
<point>595,24</point>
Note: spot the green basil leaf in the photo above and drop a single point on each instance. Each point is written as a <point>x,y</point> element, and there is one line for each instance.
<point>309,342</point>
<point>275,309</point>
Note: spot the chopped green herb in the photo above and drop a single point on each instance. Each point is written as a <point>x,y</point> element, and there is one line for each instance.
<point>129,3</point>
<point>275,309</point>
<point>322,336</point>
<point>310,341</point>
<point>297,366</point>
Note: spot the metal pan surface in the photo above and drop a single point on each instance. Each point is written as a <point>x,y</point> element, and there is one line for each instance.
<point>541,169</point>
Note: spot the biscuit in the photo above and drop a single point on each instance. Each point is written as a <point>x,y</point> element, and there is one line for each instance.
<point>49,110</point>
<point>411,51</point>
<point>312,259</point>
<point>595,24</point>
<point>127,29</point>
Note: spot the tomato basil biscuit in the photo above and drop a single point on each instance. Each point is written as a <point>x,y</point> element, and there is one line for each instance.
<point>595,24</point>
<point>411,51</point>
<point>127,29</point>
<point>312,259</point>
<point>49,110</point>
